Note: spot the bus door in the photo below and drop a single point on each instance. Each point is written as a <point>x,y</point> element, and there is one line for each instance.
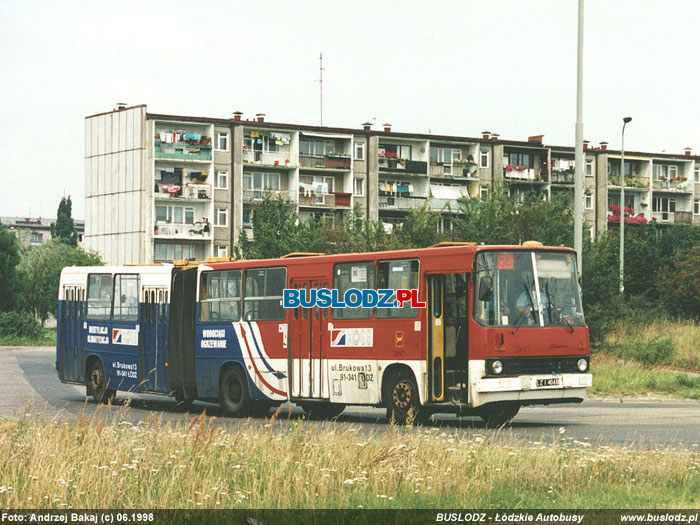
<point>153,349</point>
<point>71,343</point>
<point>307,362</point>
<point>447,337</point>
<point>436,340</point>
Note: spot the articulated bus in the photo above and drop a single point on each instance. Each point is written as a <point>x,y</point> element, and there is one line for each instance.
<point>502,327</point>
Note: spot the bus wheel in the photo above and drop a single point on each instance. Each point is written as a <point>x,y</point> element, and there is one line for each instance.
<point>322,410</point>
<point>233,393</point>
<point>402,402</point>
<point>498,414</point>
<point>97,384</point>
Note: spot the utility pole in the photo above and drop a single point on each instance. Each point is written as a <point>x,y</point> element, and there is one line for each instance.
<point>579,160</point>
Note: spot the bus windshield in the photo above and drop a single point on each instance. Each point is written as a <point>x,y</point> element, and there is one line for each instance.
<point>526,288</point>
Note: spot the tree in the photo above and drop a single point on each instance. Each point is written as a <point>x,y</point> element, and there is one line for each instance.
<point>9,258</point>
<point>679,285</point>
<point>40,272</point>
<point>64,227</point>
<point>276,232</point>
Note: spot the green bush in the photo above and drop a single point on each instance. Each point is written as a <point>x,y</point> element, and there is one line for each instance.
<point>655,351</point>
<point>19,324</point>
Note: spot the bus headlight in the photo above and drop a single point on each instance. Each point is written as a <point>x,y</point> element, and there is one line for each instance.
<point>497,367</point>
<point>582,364</point>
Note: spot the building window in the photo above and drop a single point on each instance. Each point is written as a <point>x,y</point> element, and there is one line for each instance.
<point>359,188</point>
<point>175,214</point>
<point>697,174</point>
<point>221,250</point>
<point>36,237</point>
<point>247,218</point>
<point>484,159</point>
<point>359,151</point>
<point>484,192</point>
<point>395,150</point>
<point>444,155</point>
<point>257,184</point>
<point>316,148</point>
<point>589,167</point>
<point>696,207</point>
<point>221,217</point>
<point>166,252</point>
<point>222,180</point>
<point>221,141</point>
<point>589,202</point>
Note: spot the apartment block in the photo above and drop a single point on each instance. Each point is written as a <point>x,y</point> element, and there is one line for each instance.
<point>166,187</point>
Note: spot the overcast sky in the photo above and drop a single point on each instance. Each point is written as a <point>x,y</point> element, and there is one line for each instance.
<point>441,67</point>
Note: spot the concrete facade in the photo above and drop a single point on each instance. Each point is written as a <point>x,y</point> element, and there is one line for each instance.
<point>164,187</point>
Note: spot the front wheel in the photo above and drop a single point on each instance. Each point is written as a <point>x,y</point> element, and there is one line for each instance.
<point>498,414</point>
<point>233,393</point>
<point>402,402</point>
<point>97,384</point>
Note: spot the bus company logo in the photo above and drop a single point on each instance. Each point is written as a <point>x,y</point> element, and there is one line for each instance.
<point>352,298</point>
<point>351,337</point>
<point>125,336</point>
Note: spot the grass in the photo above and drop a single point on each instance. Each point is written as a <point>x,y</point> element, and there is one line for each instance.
<point>675,343</point>
<point>47,338</point>
<point>614,377</point>
<point>107,463</point>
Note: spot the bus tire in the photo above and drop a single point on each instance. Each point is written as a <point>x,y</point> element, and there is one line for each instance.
<point>233,393</point>
<point>402,401</point>
<point>97,384</point>
<point>498,414</point>
<point>323,410</point>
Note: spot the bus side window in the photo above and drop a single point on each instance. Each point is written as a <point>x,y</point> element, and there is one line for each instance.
<point>99,296</point>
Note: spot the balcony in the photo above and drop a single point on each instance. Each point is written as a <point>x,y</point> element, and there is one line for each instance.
<point>456,170</point>
<point>631,182</point>
<point>272,159</point>
<point>188,192</point>
<point>562,176</point>
<point>674,185</point>
<point>403,165</point>
<point>259,195</point>
<point>336,162</point>
<point>175,230</point>
<point>520,174</point>
<point>677,217</point>
<point>314,199</point>
<point>183,146</point>
<point>401,203</point>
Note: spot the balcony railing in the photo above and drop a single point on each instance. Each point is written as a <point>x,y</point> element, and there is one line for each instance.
<point>182,151</point>
<point>678,217</point>
<point>324,200</point>
<point>465,170</point>
<point>523,175</point>
<point>400,203</point>
<point>405,165</point>
<point>190,191</point>
<point>259,195</point>
<point>562,176</point>
<point>178,230</point>
<point>678,185</point>
<point>631,182</point>
<point>338,162</point>
<point>282,159</point>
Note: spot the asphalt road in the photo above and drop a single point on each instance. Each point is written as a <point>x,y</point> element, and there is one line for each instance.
<point>30,385</point>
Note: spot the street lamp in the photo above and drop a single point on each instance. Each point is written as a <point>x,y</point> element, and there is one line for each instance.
<point>626,120</point>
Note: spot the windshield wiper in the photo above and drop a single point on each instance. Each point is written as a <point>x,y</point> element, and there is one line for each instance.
<point>525,315</point>
<point>551,307</point>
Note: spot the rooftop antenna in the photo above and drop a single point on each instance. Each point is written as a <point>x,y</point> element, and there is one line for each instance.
<point>320,83</point>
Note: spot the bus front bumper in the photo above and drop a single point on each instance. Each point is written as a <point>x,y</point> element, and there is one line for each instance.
<point>531,388</point>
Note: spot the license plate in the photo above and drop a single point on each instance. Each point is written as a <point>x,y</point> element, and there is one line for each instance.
<point>550,381</point>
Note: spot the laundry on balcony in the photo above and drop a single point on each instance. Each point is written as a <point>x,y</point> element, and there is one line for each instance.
<point>170,188</point>
<point>448,192</point>
<point>280,138</point>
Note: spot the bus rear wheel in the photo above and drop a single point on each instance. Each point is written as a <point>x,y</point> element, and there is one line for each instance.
<point>402,402</point>
<point>498,414</point>
<point>97,384</point>
<point>233,393</point>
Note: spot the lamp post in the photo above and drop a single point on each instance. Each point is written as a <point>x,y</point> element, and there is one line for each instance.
<point>626,120</point>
